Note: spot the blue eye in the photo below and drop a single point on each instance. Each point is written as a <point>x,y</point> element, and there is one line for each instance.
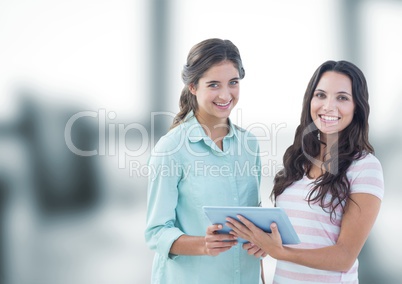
<point>214,85</point>
<point>233,83</point>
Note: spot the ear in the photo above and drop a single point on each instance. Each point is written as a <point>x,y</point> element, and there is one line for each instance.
<point>192,89</point>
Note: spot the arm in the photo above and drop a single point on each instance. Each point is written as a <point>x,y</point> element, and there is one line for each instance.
<point>358,219</point>
<point>356,225</point>
<point>160,230</point>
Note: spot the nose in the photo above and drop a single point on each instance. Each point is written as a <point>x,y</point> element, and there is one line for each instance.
<point>329,104</point>
<point>225,94</point>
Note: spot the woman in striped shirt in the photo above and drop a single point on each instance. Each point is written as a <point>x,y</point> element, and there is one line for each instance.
<point>331,185</point>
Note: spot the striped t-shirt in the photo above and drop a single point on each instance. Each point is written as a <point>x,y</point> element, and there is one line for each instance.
<point>314,226</point>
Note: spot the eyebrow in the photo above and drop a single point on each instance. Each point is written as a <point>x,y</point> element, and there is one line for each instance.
<point>214,81</point>
<point>341,92</point>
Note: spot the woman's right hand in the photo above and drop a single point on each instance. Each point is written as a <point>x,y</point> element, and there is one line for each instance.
<point>252,249</point>
<point>216,243</point>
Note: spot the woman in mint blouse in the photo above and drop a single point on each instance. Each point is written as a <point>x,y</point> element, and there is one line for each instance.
<point>203,160</point>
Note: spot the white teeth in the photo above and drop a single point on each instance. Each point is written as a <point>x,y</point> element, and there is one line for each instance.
<point>331,118</point>
<point>223,104</point>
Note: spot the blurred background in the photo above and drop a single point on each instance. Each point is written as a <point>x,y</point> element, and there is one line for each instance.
<point>88,87</point>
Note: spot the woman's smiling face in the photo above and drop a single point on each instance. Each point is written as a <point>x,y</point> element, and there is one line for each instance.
<point>332,106</point>
<point>217,92</point>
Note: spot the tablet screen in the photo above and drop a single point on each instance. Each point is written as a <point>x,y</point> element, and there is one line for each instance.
<point>262,217</point>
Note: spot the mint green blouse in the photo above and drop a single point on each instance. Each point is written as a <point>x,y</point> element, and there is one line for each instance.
<point>189,171</point>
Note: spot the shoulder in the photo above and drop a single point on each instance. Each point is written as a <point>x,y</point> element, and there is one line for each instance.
<point>367,161</point>
<point>171,141</point>
<point>366,176</point>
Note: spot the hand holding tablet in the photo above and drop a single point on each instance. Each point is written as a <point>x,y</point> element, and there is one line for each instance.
<point>262,217</point>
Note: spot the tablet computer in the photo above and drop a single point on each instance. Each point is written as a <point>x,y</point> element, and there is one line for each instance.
<point>262,217</point>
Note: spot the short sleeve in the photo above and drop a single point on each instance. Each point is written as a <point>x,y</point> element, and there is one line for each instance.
<point>366,176</point>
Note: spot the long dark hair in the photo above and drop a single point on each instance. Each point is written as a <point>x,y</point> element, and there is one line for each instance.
<point>201,57</point>
<point>352,144</point>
